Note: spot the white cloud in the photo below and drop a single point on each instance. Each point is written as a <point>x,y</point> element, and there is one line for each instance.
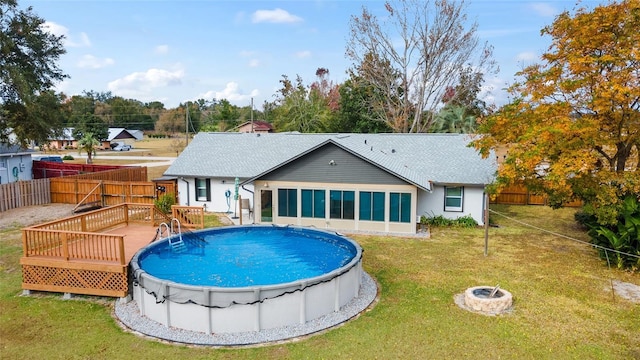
<point>276,16</point>
<point>231,92</point>
<point>544,9</point>
<point>303,54</point>
<point>527,56</point>
<point>254,63</point>
<point>70,40</point>
<point>92,62</point>
<point>247,53</point>
<point>162,49</point>
<point>139,85</point>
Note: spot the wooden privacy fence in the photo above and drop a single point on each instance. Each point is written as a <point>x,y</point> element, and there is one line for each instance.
<point>519,195</point>
<point>104,192</point>
<point>138,173</point>
<point>24,193</point>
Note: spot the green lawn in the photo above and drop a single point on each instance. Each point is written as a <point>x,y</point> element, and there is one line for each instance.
<point>563,304</point>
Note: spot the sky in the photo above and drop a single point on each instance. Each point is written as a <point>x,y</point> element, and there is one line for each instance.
<point>175,51</point>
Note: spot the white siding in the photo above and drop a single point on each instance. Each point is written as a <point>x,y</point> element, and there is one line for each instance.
<point>432,204</point>
<point>218,188</point>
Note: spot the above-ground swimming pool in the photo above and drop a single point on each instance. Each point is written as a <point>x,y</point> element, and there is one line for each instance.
<point>245,278</point>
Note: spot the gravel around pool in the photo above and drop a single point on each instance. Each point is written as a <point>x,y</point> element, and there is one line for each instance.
<point>128,315</point>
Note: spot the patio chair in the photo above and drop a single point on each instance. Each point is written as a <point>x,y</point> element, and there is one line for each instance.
<point>246,204</point>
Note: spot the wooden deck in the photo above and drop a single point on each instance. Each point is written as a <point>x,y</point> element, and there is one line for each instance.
<point>136,236</point>
<point>90,253</point>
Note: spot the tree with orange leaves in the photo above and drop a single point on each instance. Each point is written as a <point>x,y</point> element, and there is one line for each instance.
<point>573,130</point>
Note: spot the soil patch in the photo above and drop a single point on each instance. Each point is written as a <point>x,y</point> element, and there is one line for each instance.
<point>32,215</point>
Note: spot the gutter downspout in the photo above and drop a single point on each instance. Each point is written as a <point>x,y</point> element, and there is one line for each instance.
<point>188,197</point>
<point>245,189</point>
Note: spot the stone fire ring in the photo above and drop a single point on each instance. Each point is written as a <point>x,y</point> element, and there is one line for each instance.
<point>498,304</point>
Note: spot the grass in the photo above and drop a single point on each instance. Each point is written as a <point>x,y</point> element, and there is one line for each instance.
<point>563,306</point>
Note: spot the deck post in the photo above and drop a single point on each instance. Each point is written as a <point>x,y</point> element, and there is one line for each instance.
<point>65,246</point>
<point>25,250</point>
<point>121,249</point>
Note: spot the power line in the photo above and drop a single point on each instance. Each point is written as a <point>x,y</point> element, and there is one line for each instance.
<point>562,235</point>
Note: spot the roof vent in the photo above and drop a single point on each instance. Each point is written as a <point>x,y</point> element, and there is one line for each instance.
<point>393,151</point>
<point>372,148</point>
<point>365,141</point>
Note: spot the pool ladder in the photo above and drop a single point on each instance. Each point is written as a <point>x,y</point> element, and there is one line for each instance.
<point>176,242</point>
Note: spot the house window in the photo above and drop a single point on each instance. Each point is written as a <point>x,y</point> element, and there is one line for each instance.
<point>453,198</point>
<point>371,206</point>
<point>288,202</point>
<point>400,207</point>
<point>342,204</point>
<point>313,202</point>
<point>203,189</point>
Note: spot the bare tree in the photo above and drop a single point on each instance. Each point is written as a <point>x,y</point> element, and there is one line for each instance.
<point>413,56</point>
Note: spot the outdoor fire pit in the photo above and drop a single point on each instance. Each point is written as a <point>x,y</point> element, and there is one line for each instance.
<point>488,300</point>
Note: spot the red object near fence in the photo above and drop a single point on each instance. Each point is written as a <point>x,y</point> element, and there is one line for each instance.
<point>51,169</point>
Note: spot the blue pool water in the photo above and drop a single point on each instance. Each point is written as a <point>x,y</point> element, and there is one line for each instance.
<point>248,256</point>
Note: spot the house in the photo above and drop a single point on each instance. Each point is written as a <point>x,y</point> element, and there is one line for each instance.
<point>63,141</point>
<point>15,163</point>
<point>256,126</point>
<point>122,135</point>
<point>362,182</point>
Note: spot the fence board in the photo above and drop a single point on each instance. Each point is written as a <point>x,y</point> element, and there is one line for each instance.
<point>24,193</point>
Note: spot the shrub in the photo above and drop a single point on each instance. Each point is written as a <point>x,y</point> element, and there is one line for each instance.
<point>466,221</point>
<point>164,202</point>
<point>441,221</point>
<point>624,236</point>
<point>67,157</point>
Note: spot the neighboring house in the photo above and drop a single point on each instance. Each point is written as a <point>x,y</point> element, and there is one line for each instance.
<point>256,126</point>
<point>64,141</point>
<point>363,182</point>
<point>15,163</point>
<point>122,135</point>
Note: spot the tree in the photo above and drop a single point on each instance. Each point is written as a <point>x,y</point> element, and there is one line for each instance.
<point>303,108</point>
<point>573,128</point>
<point>354,112</point>
<point>28,56</point>
<point>88,144</point>
<point>86,115</point>
<point>413,57</point>
<point>454,119</point>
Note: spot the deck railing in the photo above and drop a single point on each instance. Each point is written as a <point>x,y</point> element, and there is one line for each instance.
<point>78,238</point>
<point>189,216</point>
<point>73,255</point>
<point>74,245</point>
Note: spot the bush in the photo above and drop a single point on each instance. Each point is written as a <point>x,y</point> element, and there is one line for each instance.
<point>164,203</point>
<point>623,236</point>
<point>67,157</point>
<point>440,221</point>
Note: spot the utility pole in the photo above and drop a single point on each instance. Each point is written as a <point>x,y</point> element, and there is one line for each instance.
<point>186,126</point>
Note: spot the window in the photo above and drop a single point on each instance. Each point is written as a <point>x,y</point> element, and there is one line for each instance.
<point>288,202</point>
<point>342,204</point>
<point>372,206</point>
<point>453,198</point>
<point>203,189</point>
<point>400,207</point>
<point>313,202</point>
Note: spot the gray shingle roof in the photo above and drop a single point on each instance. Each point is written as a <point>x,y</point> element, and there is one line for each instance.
<point>418,158</point>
